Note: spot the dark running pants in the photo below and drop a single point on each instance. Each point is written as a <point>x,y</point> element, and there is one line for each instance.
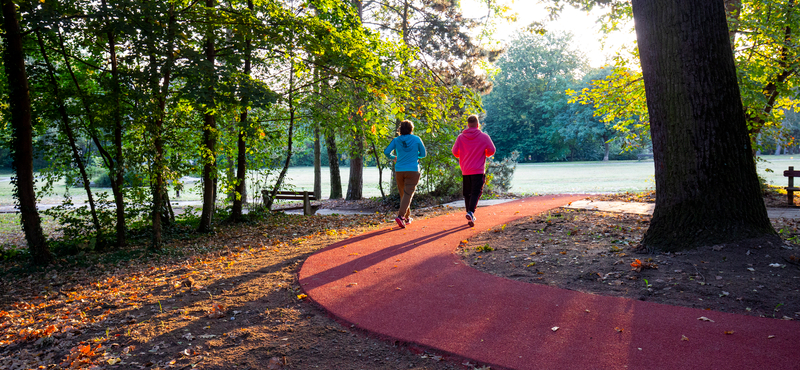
<point>473,188</point>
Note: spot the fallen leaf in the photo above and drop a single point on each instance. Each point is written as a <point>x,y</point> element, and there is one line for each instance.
<point>729,332</point>
<point>217,311</point>
<point>275,363</point>
<point>555,328</point>
<point>703,318</point>
<point>618,329</point>
<point>683,337</point>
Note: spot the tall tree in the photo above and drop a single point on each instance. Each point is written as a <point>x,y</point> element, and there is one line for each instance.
<point>707,190</point>
<point>355,183</point>
<point>528,94</point>
<point>317,143</point>
<point>209,127</point>
<point>68,131</point>
<point>117,171</point>
<point>159,75</point>
<point>241,145</point>
<point>333,163</point>
<point>20,104</point>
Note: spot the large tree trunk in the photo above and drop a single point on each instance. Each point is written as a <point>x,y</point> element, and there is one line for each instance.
<point>20,106</point>
<point>707,190</point>
<point>355,183</point>
<point>333,162</point>
<point>209,138</point>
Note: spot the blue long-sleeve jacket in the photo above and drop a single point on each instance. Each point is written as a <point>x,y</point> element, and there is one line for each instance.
<point>409,149</point>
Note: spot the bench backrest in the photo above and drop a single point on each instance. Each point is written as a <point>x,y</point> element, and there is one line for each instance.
<point>286,194</point>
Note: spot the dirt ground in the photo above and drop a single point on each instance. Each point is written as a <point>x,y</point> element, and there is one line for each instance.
<point>595,252</point>
<point>231,300</point>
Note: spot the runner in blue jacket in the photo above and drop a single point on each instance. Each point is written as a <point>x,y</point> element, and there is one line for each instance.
<point>409,149</point>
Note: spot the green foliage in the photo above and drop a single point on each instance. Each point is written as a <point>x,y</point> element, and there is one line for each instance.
<point>75,231</point>
<point>484,248</point>
<point>528,109</point>
<point>13,253</point>
<point>283,63</point>
<point>766,56</point>
<point>500,173</point>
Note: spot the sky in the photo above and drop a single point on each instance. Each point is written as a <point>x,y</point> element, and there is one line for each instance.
<point>587,35</point>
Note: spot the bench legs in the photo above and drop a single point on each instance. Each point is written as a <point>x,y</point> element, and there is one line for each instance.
<point>789,189</point>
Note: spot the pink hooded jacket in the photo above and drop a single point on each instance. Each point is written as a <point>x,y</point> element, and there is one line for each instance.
<point>472,148</point>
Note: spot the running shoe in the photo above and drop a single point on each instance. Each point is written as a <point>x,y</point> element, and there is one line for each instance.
<point>470,219</point>
<point>400,222</point>
<point>408,220</point>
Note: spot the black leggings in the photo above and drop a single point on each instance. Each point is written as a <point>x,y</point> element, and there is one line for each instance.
<point>473,188</point>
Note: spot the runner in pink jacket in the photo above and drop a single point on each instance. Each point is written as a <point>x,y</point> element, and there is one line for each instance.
<point>472,147</point>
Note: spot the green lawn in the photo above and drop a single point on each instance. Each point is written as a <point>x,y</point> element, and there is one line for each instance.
<point>529,178</point>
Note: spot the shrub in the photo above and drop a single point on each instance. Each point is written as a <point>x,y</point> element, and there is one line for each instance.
<point>500,173</point>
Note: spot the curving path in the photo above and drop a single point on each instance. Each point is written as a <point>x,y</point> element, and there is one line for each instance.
<point>408,285</point>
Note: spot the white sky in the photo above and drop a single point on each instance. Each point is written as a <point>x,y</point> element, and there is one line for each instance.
<point>584,27</point>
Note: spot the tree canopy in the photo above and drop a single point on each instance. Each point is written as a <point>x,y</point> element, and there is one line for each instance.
<point>136,95</point>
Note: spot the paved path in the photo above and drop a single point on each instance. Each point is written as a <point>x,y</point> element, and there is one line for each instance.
<point>408,285</point>
<point>647,209</point>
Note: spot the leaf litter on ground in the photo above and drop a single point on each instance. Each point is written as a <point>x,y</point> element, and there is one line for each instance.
<point>208,304</point>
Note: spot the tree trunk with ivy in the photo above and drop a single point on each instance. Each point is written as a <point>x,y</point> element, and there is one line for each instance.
<point>20,107</point>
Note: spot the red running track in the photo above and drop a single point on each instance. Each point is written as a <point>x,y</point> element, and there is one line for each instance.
<point>408,285</point>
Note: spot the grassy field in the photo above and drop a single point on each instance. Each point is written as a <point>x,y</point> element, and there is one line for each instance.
<point>533,178</point>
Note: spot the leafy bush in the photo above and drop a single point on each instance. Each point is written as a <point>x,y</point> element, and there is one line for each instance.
<point>11,252</point>
<point>78,233</point>
<point>448,182</point>
<point>102,181</point>
<point>500,173</point>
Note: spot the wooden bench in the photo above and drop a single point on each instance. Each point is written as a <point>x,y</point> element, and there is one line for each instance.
<point>791,174</point>
<point>305,196</point>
